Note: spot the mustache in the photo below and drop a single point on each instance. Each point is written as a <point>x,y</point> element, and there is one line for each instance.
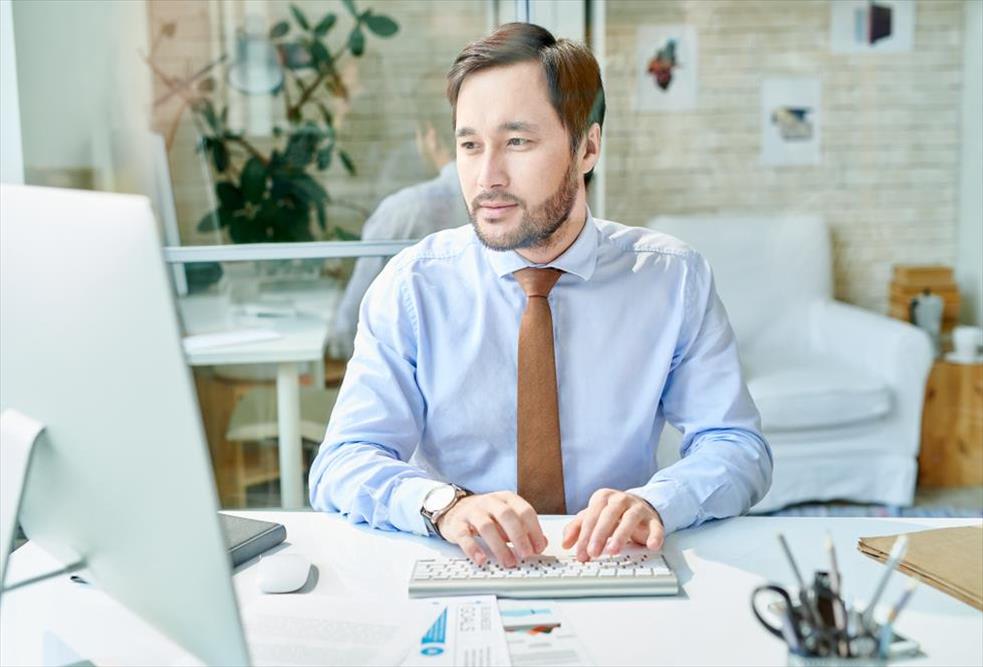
<point>496,197</point>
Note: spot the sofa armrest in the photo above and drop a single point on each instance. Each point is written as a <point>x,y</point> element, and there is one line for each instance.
<point>895,351</point>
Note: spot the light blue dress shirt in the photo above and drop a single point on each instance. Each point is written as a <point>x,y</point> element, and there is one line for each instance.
<point>640,338</point>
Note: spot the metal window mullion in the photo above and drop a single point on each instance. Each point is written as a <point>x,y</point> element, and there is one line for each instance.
<point>271,251</point>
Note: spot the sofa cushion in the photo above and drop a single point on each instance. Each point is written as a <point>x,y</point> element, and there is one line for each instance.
<point>816,395</point>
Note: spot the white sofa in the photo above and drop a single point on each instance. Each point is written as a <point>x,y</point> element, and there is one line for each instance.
<point>839,388</point>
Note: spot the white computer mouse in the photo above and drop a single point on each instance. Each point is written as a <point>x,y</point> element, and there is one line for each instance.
<point>283,573</point>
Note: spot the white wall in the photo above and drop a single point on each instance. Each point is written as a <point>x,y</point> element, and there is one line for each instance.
<point>81,75</point>
<point>969,258</point>
<point>11,153</point>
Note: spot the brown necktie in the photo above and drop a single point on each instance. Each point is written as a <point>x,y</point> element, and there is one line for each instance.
<point>539,463</point>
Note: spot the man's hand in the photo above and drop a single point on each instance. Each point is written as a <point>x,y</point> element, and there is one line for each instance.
<point>498,518</point>
<point>612,519</point>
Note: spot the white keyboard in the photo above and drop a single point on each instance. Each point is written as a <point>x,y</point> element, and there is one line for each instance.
<point>635,574</point>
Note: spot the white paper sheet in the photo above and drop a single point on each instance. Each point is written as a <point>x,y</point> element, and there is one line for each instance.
<point>466,632</point>
<point>322,630</point>
<point>200,342</point>
<point>537,634</point>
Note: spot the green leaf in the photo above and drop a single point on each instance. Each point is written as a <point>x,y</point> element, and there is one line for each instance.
<point>229,196</point>
<point>347,161</point>
<point>308,189</point>
<point>208,111</point>
<point>279,30</point>
<point>210,222</point>
<point>220,155</point>
<point>322,216</point>
<point>254,180</point>
<point>356,41</point>
<point>225,118</point>
<point>320,55</point>
<point>343,234</point>
<point>381,25</point>
<point>325,24</point>
<point>350,6</point>
<point>299,17</point>
<point>324,157</point>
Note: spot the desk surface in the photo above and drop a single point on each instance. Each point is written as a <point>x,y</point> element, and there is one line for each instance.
<point>302,337</point>
<point>709,623</point>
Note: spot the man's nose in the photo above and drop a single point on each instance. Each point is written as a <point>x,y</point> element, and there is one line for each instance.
<point>492,173</point>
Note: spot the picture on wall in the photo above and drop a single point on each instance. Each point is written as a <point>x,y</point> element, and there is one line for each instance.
<point>872,26</point>
<point>666,68</point>
<point>790,121</point>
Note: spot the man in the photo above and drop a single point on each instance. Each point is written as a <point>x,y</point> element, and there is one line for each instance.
<point>525,364</point>
<point>411,213</point>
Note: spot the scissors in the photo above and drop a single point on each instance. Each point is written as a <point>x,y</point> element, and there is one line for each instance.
<point>783,608</point>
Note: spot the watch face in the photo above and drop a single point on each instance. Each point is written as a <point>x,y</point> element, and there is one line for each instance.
<point>439,498</point>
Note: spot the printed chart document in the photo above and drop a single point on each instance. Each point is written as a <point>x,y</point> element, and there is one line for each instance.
<point>322,630</point>
<point>537,634</point>
<point>466,632</point>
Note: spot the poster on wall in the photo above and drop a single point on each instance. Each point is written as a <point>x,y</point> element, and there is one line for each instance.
<point>872,26</point>
<point>790,121</point>
<point>665,68</point>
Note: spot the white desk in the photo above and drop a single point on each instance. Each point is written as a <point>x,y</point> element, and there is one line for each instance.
<point>302,341</point>
<point>710,623</point>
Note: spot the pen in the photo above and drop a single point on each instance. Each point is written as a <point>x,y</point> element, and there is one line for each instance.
<point>839,608</point>
<point>897,553</point>
<point>887,630</point>
<point>803,591</point>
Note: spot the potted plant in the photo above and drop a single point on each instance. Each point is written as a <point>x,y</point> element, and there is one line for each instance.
<point>272,192</point>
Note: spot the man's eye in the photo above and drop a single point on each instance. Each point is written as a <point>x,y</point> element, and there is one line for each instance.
<point>518,141</point>
<point>467,145</point>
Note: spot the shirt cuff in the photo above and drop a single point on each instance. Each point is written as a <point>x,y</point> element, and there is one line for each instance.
<point>675,506</point>
<point>406,502</point>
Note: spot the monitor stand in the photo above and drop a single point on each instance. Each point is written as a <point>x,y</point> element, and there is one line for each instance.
<point>18,436</point>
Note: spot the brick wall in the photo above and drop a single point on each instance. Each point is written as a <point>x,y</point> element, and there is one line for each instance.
<point>887,184</point>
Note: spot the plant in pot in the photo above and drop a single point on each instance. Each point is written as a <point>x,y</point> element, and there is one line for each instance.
<point>268,190</point>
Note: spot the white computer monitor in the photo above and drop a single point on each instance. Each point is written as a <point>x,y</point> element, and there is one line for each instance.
<point>90,346</point>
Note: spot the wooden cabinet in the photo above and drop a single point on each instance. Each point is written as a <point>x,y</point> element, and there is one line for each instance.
<point>952,426</point>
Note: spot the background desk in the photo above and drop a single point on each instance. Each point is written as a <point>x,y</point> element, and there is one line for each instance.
<point>709,624</point>
<point>302,341</point>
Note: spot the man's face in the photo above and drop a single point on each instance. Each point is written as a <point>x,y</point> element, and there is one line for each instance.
<point>517,174</point>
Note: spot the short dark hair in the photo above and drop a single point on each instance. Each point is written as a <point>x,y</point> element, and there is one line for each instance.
<point>572,74</point>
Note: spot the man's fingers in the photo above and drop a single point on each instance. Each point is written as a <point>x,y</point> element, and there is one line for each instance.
<point>606,523</point>
<point>488,528</point>
<point>515,529</point>
<point>630,521</point>
<point>590,516</point>
<point>472,550</point>
<point>530,521</point>
<point>657,535</point>
<point>572,531</point>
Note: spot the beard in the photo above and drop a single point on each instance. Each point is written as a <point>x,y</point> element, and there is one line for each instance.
<point>537,226</point>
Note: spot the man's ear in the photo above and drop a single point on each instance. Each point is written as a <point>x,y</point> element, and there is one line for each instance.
<point>590,148</point>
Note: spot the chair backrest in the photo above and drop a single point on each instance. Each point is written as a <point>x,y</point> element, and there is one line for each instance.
<point>767,269</point>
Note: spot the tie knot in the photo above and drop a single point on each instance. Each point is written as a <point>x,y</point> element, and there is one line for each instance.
<point>537,282</point>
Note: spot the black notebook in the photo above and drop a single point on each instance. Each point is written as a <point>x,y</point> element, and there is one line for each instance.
<point>248,538</point>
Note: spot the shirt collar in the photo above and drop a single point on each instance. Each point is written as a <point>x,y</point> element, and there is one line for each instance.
<point>579,259</point>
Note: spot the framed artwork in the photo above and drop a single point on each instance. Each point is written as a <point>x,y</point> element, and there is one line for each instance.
<point>666,68</point>
<point>872,26</point>
<point>790,121</point>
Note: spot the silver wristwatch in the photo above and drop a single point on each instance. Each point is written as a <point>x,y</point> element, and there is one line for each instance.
<point>438,502</point>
